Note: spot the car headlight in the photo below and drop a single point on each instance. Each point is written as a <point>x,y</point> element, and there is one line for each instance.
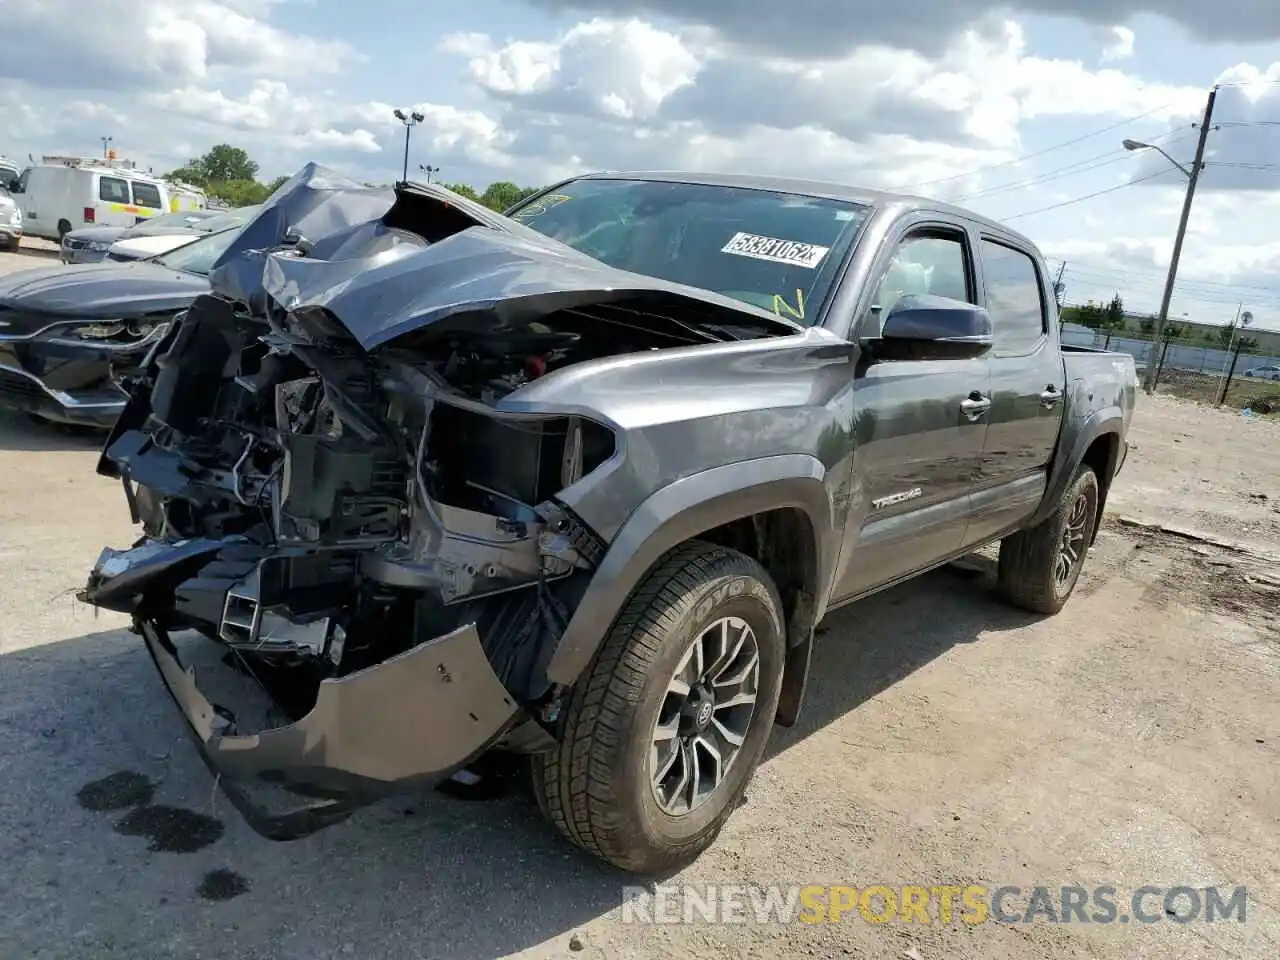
<point>97,246</point>
<point>100,331</point>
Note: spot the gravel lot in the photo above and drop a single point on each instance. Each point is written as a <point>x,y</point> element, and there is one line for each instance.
<point>1133,739</point>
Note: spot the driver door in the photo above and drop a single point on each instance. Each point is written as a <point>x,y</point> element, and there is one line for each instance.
<point>918,444</point>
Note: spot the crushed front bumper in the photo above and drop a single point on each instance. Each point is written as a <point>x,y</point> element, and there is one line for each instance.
<point>409,721</point>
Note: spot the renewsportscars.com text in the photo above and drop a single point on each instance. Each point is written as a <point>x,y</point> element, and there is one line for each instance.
<point>939,903</point>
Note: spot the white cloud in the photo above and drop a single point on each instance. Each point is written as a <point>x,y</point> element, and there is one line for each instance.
<point>1119,44</point>
<point>621,68</point>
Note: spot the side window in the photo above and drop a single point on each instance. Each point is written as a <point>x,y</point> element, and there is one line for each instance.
<point>113,190</point>
<point>1015,298</point>
<point>929,263</point>
<point>20,185</point>
<point>146,195</point>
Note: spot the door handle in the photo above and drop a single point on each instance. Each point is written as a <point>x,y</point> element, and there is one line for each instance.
<point>975,405</point>
<point>1050,396</point>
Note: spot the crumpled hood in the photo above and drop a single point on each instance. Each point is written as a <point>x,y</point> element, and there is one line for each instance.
<point>519,274</point>
<point>101,289</point>
<point>316,202</point>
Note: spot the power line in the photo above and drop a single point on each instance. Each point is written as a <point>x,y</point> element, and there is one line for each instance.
<point>1071,169</point>
<point>1042,152</point>
<point>1130,271</point>
<point>1087,196</point>
<point>1057,174</point>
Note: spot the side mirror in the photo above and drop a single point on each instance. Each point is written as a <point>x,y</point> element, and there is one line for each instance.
<point>926,327</point>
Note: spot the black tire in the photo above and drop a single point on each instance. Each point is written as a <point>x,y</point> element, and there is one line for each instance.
<point>597,787</point>
<point>1030,574</point>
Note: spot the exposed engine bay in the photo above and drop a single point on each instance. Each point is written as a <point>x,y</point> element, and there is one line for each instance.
<point>366,502</point>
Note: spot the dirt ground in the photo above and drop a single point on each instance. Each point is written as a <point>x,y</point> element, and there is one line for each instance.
<point>1133,739</point>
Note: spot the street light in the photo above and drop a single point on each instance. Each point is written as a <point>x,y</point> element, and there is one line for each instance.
<point>409,120</point>
<point>1151,376</point>
<point>106,142</point>
<point>1139,145</point>
<point>428,170</point>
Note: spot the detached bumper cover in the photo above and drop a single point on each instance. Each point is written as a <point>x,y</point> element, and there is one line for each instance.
<point>408,721</point>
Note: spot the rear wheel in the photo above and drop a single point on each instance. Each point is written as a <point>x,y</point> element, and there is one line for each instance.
<point>1039,567</point>
<point>666,727</point>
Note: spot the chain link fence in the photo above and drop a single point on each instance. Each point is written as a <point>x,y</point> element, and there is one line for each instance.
<point>1191,357</point>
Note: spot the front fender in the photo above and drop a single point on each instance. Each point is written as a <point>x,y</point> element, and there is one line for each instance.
<point>680,512</point>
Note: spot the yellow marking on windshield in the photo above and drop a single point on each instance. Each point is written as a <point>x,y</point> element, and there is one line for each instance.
<point>539,207</point>
<point>780,304</point>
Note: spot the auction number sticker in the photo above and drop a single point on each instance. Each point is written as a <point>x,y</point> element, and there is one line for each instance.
<point>778,251</point>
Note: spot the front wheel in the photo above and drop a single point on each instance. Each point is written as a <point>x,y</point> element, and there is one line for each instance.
<point>666,727</point>
<point>1039,567</point>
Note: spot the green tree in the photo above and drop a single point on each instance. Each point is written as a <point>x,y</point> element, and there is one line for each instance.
<point>504,194</point>
<point>1147,325</point>
<point>276,184</point>
<point>227,172</point>
<point>1091,315</point>
<point>225,163</point>
<point>239,193</point>
<point>1113,317</point>
<point>463,190</point>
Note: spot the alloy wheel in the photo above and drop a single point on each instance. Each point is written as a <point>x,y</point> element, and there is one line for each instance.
<point>705,715</point>
<point>1072,544</point>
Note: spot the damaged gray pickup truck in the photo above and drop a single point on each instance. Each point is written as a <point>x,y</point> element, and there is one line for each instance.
<point>579,481</point>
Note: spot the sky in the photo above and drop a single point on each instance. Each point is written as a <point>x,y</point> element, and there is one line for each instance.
<point>1016,110</point>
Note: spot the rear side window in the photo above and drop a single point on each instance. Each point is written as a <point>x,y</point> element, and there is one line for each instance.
<point>113,190</point>
<point>1015,298</point>
<point>146,194</point>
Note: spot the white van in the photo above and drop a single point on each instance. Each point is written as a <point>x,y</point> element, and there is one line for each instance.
<point>58,198</point>
<point>184,197</point>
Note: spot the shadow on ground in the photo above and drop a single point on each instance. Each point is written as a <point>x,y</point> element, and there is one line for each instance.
<point>118,843</point>
<point>21,432</point>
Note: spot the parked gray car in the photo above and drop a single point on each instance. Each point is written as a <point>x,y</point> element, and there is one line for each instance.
<point>580,482</point>
<point>92,244</point>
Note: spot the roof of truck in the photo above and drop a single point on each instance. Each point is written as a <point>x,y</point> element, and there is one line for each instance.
<point>810,188</point>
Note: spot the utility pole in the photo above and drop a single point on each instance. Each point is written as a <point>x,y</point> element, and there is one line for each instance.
<point>106,143</point>
<point>1231,342</point>
<point>1152,376</point>
<point>1057,297</point>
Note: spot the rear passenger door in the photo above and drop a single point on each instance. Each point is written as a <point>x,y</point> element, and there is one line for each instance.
<point>1028,385</point>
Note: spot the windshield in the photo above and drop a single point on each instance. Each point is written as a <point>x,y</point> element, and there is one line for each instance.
<point>779,251</point>
<point>198,255</point>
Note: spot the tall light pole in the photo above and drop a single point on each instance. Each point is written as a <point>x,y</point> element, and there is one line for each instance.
<point>1152,375</point>
<point>409,120</point>
<point>428,170</point>
<point>106,143</point>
